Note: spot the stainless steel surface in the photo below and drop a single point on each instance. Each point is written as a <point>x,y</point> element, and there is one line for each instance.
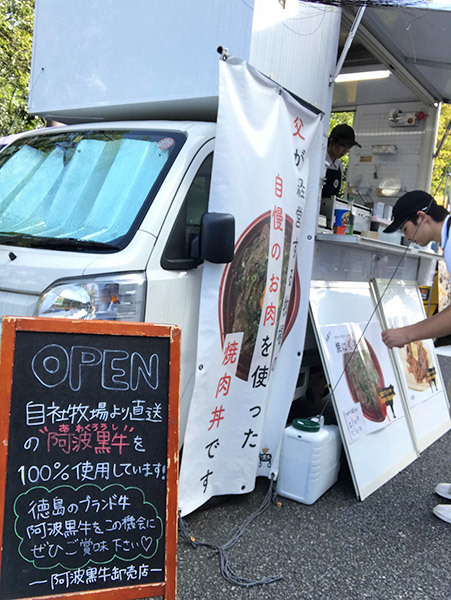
<point>354,258</point>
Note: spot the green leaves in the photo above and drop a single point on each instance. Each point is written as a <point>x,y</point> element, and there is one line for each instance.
<point>16,36</point>
<point>442,164</point>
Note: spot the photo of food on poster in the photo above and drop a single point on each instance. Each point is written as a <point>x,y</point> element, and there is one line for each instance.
<point>362,377</point>
<point>418,367</point>
<point>260,288</point>
<point>444,290</point>
<point>417,363</point>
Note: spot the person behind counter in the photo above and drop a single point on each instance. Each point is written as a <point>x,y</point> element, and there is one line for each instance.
<point>422,220</point>
<point>341,140</point>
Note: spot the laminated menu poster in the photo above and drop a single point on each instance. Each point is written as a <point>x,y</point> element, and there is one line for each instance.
<point>418,367</point>
<point>444,290</point>
<point>362,377</point>
<point>369,405</point>
<point>417,363</point>
<point>88,459</point>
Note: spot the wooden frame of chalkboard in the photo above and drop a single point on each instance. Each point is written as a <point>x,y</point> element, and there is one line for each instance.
<point>88,459</point>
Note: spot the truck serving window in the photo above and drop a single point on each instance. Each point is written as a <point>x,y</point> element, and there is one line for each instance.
<point>82,190</point>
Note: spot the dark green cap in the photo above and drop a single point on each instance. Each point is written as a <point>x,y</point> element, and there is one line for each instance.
<point>306,425</point>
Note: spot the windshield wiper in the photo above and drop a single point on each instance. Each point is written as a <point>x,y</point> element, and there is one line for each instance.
<point>33,241</point>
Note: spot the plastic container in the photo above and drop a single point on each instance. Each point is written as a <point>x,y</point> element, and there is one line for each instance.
<point>309,460</point>
<point>341,223</point>
<point>378,209</point>
<point>388,210</point>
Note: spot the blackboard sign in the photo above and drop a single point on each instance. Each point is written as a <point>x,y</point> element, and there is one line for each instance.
<point>88,458</point>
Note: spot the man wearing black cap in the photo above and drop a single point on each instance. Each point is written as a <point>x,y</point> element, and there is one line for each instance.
<point>341,140</point>
<point>422,220</point>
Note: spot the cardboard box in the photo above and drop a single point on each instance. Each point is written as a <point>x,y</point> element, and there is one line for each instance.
<point>370,234</point>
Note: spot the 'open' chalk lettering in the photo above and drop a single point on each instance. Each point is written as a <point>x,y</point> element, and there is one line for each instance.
<point>52,365</point>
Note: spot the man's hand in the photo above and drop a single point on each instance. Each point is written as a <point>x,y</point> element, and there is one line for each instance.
<point>395,338</point>
<point>433,327</point>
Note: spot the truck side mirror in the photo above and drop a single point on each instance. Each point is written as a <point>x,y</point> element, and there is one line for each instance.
<point>217,237</point>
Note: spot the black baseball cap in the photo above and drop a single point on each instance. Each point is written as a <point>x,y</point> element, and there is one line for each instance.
<point>407,207</point>
<point>344,134</point>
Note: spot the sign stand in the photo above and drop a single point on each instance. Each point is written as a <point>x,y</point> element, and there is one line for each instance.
<point>368,402</point>
<point>417,363</point>
<point>88,459</point>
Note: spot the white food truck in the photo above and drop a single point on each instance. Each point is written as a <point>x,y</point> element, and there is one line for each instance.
<point>108,218</point>
<point>104,217</point>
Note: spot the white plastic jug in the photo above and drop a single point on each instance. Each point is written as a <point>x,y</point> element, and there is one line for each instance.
<point>309,460</point>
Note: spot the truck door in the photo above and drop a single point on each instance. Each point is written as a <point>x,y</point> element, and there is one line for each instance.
<point>174,276</point>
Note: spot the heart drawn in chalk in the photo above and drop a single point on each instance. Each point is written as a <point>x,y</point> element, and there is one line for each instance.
<point>146,542</point>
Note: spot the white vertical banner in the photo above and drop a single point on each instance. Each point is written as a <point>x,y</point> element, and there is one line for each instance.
<point>253,313</point>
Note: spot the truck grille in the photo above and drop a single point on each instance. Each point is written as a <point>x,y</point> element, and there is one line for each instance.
<point>14,304</point>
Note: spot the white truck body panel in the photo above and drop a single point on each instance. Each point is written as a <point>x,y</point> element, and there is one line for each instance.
<point>144,59</point>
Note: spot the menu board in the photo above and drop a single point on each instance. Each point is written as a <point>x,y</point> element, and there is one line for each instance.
<point>366,389</point>
<point>368,402</point>
<point>88,459</point>
<point>420,374</point>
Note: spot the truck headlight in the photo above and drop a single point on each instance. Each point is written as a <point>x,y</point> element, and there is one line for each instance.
<point>113,297</point>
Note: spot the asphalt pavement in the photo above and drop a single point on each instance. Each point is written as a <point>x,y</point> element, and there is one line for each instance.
<point>388,547</point>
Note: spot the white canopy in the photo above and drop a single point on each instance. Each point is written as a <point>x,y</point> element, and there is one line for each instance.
<point>414,43</point>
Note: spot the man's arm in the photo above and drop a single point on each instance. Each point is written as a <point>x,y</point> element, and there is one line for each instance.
<point>436,326</point>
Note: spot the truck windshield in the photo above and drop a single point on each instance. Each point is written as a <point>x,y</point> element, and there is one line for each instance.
<point>91,188</point>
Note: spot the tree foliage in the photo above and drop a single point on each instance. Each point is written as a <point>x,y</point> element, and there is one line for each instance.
<point>16,34</point>
<point>441,174</point>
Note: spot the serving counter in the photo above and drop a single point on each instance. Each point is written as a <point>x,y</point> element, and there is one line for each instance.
<point>357,258</point>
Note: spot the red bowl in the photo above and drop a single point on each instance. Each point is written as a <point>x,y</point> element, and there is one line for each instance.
<point>377,410</point>
<point>243,284</point>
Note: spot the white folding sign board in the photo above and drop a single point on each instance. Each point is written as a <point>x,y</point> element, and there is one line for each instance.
<point>417,362</point>
<point>369,404</point>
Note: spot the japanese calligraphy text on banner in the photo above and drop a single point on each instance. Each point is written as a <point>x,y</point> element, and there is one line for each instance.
<point>253,312</point>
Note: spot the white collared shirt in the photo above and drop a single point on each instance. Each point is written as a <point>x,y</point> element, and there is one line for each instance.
<point>446,247</point>
<point>334,164</point>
